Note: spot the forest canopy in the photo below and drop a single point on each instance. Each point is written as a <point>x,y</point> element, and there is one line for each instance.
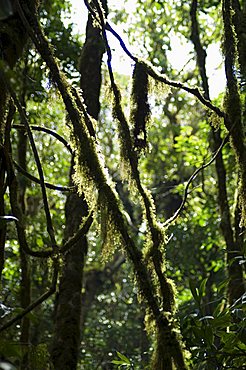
<point>122,194</point>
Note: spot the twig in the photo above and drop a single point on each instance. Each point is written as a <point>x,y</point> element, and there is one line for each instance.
<point>122,44</point>
<point>80,233</point>
<point>90,9</point>
<point>69,244</point>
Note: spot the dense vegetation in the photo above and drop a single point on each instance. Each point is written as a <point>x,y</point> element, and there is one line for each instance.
<point>122,198</point>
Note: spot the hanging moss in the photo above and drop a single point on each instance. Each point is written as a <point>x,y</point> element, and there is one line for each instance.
<point>167,344</point>
<point>154,249</point>
<point>128,156</point>
<point>140,109</point>
<point>110,236</point>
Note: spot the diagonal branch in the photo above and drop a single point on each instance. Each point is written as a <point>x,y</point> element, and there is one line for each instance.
<point>162,78</point>
<point>80,233</point>
<point>193,176</point>
<point>47,184</point>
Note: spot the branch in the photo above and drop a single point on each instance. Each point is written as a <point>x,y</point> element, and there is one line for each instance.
<point>162,78</point>
<point>84,229</point>
<point>193,176</point>
<point>47,184</point>
<point>80,233</point>
<point>37,160</point>
<point>89,159</point>
<point>47,131</point>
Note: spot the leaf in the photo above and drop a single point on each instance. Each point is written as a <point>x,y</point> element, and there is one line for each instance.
<point>116,362</point>
<point>223,285</point>
<point>124,358</point>
<point>206,318</point>
<point>219,309</point>
<point>124,361</point>
<point>194,290</point>
<point>209,335</point>
<point>202,288</point>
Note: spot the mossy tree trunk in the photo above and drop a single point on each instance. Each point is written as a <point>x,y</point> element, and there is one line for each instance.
<point>230,232</point>
<point>237,126</point>
<point>236,121</point>
<point>67,336</point>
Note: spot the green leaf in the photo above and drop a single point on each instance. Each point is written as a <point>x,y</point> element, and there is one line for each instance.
<point>117,362</point>
<point>202,288</point>
<point>194,290</point>
<point>209,335</point>
<point>124,361</point>
<point>123,358</point>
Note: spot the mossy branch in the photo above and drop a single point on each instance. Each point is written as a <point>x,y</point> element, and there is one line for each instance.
<point>129,155</point>
<point>162,78</point>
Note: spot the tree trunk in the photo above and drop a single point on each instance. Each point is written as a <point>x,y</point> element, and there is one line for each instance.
<point>235,270</point>
<point>66,341</point>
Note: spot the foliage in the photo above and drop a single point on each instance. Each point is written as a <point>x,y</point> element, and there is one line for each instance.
<point>216,340</point>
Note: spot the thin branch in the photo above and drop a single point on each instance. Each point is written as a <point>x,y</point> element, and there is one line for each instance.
<point>109,28</point>
<point>37,160</point>
<point>193,176</point>
<point>80,233</point>
<point>162,78</point>
<point>47,184</point>
<point>47,131</point>
<point>91,10</point>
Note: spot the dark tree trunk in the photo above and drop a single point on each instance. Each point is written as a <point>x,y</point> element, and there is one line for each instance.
<point>66,341</point>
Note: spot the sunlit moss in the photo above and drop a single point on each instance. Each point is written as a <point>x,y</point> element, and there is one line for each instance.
<point>110,234</point>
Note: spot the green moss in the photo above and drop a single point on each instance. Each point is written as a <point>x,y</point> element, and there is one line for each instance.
<point>140,109</point>
<point>110,235</point>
